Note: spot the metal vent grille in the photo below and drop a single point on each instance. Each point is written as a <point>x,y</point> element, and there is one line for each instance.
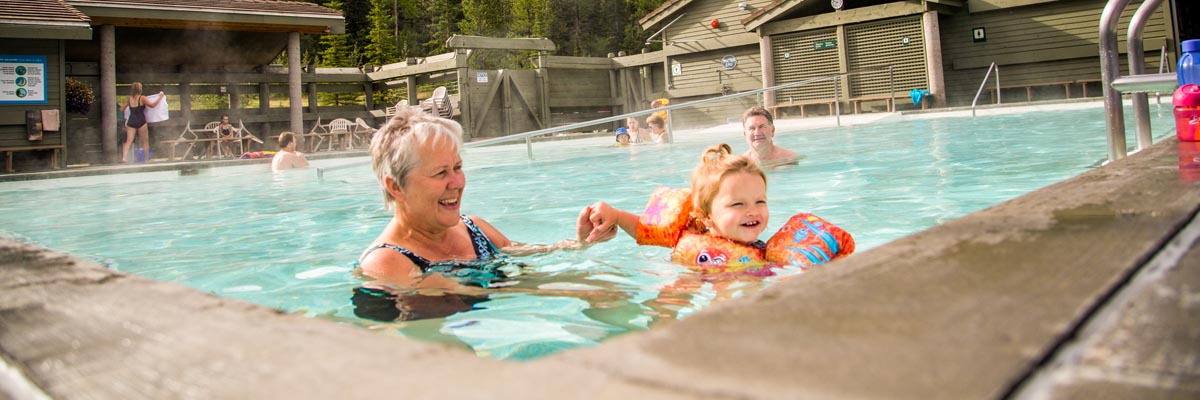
<point>898,42</point>
<point>802,55</point>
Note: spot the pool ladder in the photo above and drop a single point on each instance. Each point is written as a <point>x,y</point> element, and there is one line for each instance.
<point>1138,82</point>
<point>991,68</point>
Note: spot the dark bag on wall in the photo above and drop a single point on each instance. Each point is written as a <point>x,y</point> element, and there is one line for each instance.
<point>33,124</point>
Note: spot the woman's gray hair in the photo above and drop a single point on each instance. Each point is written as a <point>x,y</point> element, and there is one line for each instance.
<point>396,148</point>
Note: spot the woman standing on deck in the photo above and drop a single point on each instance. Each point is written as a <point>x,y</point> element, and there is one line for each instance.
<point>416,159</point>
<point>137,119</point>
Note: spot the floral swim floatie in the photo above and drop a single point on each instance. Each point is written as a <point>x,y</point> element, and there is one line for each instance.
<point>806,240</point>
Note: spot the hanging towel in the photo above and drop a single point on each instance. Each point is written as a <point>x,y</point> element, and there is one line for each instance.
<point>50,120</point>
<point>153,114</point>
<point>157,113</point>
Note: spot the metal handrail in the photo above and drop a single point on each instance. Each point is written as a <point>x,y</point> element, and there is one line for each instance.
<point>527,136</point>
<point>1114,84</point>
<point>1110,70</point>
<point>1137,57</point>
<point>984,83</point>
<point>1162,55</point>
<point>539,132</point>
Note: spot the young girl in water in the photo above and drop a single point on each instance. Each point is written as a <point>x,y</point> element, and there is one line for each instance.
<point>716,224</point>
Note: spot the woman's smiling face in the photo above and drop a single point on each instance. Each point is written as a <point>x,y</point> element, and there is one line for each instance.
<point>739,210</point>
<point>433,190</point>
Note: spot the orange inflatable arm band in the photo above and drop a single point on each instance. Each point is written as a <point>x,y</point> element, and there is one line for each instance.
<point>665,218</point>
<point>806,240</point>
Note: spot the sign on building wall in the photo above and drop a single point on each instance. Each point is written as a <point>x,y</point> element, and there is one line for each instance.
<point>825,44</point>
<point>979,35</point>
<point>22,79</point>
<point>729,62</point>
<point>676,69</point>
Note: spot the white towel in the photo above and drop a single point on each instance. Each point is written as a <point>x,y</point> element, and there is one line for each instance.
<point>154,114</point>
<point>157,113</point>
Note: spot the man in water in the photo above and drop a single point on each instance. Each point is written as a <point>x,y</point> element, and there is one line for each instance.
<point>758,126</point>
<point>288,157</point>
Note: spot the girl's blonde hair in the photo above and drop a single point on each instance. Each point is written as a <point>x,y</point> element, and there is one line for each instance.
<point>396,147</point>
<point>135,89</point>
<point>716,163</point>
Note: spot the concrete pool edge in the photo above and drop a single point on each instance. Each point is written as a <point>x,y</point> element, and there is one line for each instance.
<point>964,310</point>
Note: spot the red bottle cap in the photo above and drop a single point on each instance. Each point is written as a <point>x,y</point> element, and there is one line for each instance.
<point>1186,96</point>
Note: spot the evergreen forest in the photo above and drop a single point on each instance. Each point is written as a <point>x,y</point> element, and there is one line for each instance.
<point>380,32</point>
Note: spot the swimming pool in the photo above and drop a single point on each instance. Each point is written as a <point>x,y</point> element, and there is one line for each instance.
<point>289,241</point>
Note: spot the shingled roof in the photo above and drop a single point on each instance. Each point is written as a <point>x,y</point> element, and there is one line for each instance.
<point>237,15</point>
<point>224,6</point>
<point>42,19</point>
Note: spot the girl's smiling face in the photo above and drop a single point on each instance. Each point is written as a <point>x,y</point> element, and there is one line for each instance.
<point>739,210</point>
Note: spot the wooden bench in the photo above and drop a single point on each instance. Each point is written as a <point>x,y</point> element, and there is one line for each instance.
<point>856,103</point>
<point>801,105</point>
<point>1083,83</point>
<point>889,99</point>
<point>191,144</point>
<point>8,159</point>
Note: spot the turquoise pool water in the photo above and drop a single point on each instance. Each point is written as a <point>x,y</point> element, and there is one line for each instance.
<point>290,241</point>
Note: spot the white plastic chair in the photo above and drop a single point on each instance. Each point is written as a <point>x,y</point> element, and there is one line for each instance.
<point>210,130</point>
<point>438,104</point>
<point>319,132</point>
<point>363,132</point>
<point>338,129</point>
<point>390,112</point>
<point>188,136</point>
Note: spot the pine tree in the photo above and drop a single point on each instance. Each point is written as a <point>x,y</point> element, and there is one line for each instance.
<point>411,34</point>
<point>444,17</point>
<point>485,17</point>
<point>381,39</point>
<point>634,38</point>
<point>337,50</point>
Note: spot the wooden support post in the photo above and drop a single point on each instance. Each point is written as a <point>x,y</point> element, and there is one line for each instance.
<point>843,60</point>
<point>264,108</point>
<point>933,58</point>
<point>411,85</point>
<point>108,94</point>
<point>369,96</point>
<point>506,102</point>
<point>295,110</point>
<point>235,98</point>
<point>765,52</point>
<point>312,98</point>
<point>185,99</point>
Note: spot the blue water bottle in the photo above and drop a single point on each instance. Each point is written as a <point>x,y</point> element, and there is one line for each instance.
<point>1188,69</point>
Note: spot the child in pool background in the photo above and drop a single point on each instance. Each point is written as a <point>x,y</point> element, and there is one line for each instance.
<point>658,128</point>
<point>716,224</point>
<point>622,137</point>
<point>637,133</point>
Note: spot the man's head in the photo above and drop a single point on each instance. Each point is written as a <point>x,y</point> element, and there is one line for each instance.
<point>758,126</point>
<point>287,141</point>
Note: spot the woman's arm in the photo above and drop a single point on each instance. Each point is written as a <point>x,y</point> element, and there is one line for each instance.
<point>154,103</point>
<point>582,229</point>
<point>604,218</point>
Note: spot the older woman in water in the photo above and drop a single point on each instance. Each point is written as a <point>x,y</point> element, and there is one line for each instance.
<point>416,160</point>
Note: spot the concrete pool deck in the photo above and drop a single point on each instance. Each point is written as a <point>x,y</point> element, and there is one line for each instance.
<point>1089,288</point>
